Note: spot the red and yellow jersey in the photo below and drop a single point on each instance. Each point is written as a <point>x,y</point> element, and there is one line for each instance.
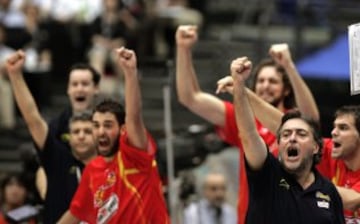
<point>338,173</point>
<point>125,190</point>
<point>229,133</point>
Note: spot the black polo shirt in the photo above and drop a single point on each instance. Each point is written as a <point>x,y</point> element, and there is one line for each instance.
<point>61,168</point>
<point>275,197</point>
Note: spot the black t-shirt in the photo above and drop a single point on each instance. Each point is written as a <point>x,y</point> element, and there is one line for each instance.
<point>275,197</point>
<point>61,168</point>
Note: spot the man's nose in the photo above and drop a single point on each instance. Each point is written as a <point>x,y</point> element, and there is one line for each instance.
<point>334,132</point>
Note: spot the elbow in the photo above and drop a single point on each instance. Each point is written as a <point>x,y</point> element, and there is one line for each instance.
<point>185,99</point>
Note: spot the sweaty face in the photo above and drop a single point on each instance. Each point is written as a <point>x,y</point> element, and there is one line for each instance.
<point>296,146</point>
<point>269,86</point>
<point>15,194</point>
<point>82,140</point>
<point>215,189</point>
<point>106,133</point>
<point>81,89</point>
<point>345,137</point>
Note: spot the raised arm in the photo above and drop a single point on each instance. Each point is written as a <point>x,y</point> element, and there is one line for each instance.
<point>304,99</point>
<point>190,95</point>
<point>254,147</point>
<point>267,114</point>
<point>134,123</point>
<point>35,122</point>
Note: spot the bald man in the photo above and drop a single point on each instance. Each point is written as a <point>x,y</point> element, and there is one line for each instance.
<point>212,207</point>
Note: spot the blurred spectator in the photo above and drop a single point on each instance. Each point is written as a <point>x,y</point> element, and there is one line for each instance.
<point>15,207</point>
<point>36,45</point>
<point>7,108</point>
<point>68,25</point>
<point>10,13</point>
<point>212,207</point>
<point>111,30</point>
<point>171,14</point>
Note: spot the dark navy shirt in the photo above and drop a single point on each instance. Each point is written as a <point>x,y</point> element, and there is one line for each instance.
<point>61,168</point>
<point>275,197</point>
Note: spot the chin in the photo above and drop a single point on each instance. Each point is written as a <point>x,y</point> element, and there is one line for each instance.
<point>292,168</point>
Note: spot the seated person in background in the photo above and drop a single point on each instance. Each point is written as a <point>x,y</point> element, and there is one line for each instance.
<point>212,207</point>
<point>14,195</point>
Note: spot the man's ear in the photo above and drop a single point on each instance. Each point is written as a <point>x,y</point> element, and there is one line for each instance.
<point>317,148</point>
<point>122,129</point>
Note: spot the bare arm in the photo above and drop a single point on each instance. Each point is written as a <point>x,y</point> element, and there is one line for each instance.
<point>190,95</point>
<point>304,99</point>
<point>267,114</point>
<point>133,122</point>
<point>41,182</point>
<point>350,198</point>
<point>37,126</point>
<point>253,145</point>
<point>68,218</point>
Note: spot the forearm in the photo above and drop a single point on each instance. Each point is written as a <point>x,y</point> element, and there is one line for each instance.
<point>29,110</point>
<point>133,107</point>
<point>254,147</point>
<point>190,95</point>
<point>350,198</point>
<point>186,81</point>
<point>68,218</point>
<point>267,114</point>
<point>304,98</point>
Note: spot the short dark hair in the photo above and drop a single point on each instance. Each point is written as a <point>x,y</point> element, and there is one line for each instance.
<point>289,101</point>
<point>81,116</point>
<point>315,129</point>
<point>82,66</point>
<point>18,178</point>
<point>353,110</point>
<point>112,106</point>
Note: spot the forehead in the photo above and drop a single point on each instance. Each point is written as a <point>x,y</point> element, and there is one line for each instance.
<point>296,123</point>
<point>214,179</point>
<point>268,72</point>
<point>80,124</point>
<point>80,75</point>
<point>345,119</point>
<point>104,117</point>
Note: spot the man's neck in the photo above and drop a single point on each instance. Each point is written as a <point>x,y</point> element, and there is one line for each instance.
<point>87,160</point>
<point>352,161</point>
<point>305,179</point>
<point>108,158</point>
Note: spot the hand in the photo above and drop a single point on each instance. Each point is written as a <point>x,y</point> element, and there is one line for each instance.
<point>281,54</point>
<point>126,59</point>
<point>15,63</point>
<point>225,84</point>
<point>240,70</point>
<point>186,36</point>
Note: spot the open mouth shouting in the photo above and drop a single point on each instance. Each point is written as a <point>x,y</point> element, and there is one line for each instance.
<point>292,153</point>
<point>80,99</point>
<point>336,147</point>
